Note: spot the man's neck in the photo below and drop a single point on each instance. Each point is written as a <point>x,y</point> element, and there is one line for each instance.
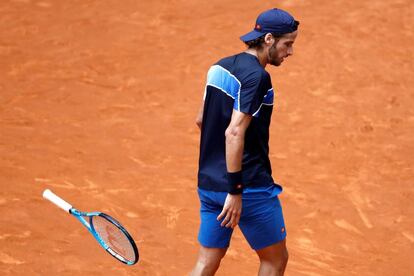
<point>261,56</point>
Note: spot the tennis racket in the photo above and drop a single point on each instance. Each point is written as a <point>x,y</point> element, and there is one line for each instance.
<point>109,233</point>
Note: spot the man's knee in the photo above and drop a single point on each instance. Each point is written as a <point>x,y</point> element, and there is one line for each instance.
<point>276,261</point>
<point>285,256</point>
<point>285,259</point>
<point>280,260</point>
<point>273,259</point>
<point>274,265</point>
<point>208,261</point>
<point>205,267</point>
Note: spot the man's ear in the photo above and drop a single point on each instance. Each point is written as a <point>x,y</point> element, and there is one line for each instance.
<point>269,39</point>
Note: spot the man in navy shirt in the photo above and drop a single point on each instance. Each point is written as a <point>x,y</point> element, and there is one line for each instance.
<point>235,183</point>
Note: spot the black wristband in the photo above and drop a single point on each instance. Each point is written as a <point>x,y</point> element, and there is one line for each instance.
<point>235,182</point>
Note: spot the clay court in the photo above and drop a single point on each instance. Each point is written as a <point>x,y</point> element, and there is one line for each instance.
<point>98,101</point>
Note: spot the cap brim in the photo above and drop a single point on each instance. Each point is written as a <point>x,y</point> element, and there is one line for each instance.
<point>251,36</point>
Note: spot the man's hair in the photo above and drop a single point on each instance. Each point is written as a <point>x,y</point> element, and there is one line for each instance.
<point>258,42</point>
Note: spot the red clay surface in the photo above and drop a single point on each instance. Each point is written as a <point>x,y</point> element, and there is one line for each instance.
<point>98,101</point>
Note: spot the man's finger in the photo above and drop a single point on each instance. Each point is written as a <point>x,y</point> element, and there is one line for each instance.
<point>230,223</point>
<point>234,220</point>
<point>222,214</point>
<point>226,219</point>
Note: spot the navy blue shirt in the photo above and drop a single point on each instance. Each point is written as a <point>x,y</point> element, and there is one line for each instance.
<point>237,82</point>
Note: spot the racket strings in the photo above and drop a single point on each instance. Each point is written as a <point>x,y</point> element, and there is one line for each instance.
<point>114,237</point>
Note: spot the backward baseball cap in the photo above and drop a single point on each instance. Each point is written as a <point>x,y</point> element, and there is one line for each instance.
<point>275,21</point>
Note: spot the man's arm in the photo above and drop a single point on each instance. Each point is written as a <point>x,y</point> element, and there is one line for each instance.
<point>199,119</point>
<point>235,133</point>
<point>235,140</point>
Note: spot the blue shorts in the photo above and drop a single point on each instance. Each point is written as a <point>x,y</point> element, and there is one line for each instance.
<point>261,220</point>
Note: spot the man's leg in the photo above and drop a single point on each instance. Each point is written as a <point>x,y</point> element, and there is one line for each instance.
<point>214,239</point>
<point>273,259</point>
<point>208,261</point>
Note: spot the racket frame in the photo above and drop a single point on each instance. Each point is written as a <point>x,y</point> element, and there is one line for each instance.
<point>79,215</point>
<point>89,225</point>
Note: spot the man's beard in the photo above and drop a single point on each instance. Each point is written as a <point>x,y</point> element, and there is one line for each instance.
<point>273,56</point>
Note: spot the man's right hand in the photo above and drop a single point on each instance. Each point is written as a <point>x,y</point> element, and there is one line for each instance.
<point>231,211</point>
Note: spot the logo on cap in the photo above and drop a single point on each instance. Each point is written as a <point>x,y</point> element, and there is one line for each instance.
<point>258,27</point>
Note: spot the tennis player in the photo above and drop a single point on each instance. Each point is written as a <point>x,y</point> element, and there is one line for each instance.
<point>235,183</point>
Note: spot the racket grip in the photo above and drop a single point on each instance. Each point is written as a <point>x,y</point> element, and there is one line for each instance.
<point>49,195</point>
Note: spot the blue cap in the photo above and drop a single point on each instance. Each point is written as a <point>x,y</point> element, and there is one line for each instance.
<point>273,21</point>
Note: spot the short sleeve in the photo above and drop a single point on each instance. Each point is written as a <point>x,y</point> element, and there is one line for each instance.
<point>253,89</point>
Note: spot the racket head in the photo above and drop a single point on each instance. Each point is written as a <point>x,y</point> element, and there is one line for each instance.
<point>114,238</point>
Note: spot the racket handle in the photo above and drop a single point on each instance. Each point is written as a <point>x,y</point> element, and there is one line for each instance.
<point>49,195</point>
